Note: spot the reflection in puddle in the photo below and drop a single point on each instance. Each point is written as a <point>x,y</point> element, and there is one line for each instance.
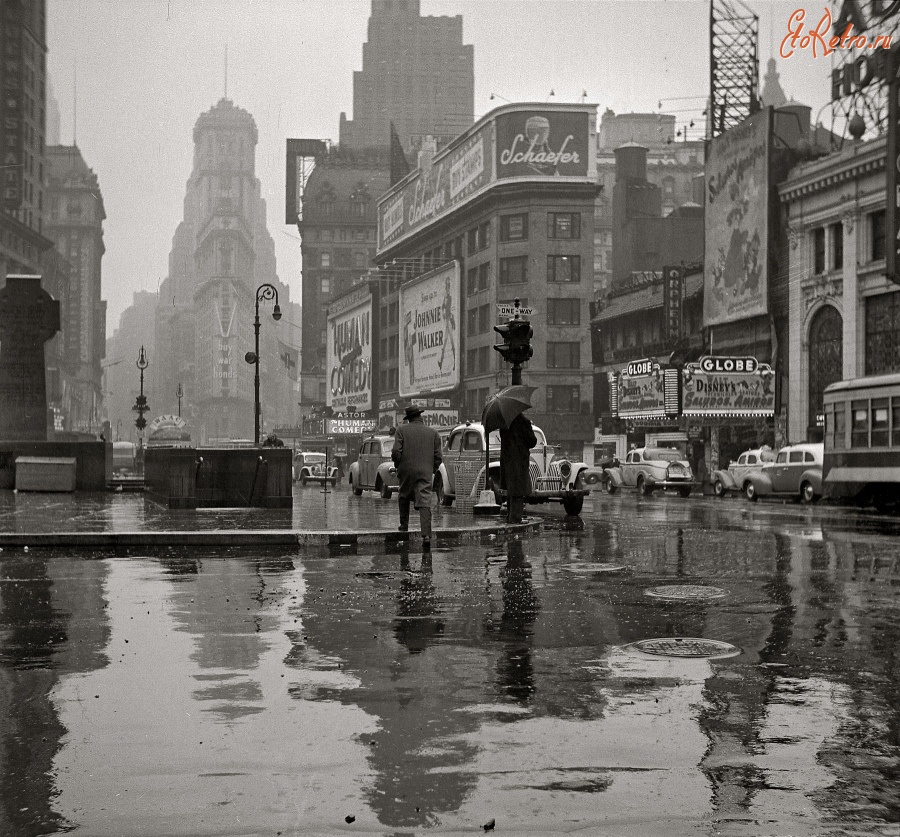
<point>188,694</point>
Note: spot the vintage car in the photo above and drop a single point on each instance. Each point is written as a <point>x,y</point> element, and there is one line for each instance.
<point>795,472</point>
<point>734,477</point>
<point>373,469</point>
<point>649,470</point>
<point>310,466</point>
<point>554,479</point>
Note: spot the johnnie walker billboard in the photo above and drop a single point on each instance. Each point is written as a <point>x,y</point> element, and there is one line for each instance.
<point>429,332</point>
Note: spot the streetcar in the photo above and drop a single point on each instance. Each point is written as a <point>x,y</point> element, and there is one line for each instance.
<point>862,441</point>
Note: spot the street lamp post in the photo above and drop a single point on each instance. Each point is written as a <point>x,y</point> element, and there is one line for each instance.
<point>179,394</point>
<point>263,292</point>
<point>140,406</point>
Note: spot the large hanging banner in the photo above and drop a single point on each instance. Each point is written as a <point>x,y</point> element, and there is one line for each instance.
<point>430,332</point>
<point>737,222</point>
<point>349,353</point>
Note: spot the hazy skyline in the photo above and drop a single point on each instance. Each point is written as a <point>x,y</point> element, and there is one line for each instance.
<point>147,69</point>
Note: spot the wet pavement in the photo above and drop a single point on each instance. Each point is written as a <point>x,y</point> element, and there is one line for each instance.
<point>322,691</point>
<point>315,509</point>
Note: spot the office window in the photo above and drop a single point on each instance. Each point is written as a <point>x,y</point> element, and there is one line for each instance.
<point>563,398</point>
<point>472,321</point>
<point>484,361</point>
<point>882,338</point>
<point>484,319</point>
<point>472,280</point>
<point>326,259</point>
<point>837,246</point>
<point>484,276</point>
<point>326,285</point>
<point>876,225</point>
<point>563,355</point>
<point>563,268</point>
<point>472,241</point>
<point>342,258</point>
<point>564,225</point>
<point>514,227</point>
<point>514,270</point>
<point>472,362</point>
<point>563,312</point>
<point>819,250</point>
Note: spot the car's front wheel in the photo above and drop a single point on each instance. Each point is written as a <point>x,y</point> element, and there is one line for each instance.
<point>808,493</point>
<point>611,487</point>
<point>750,492</point>
<point>719,488</point>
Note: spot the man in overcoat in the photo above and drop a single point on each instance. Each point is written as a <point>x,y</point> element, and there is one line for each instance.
<point>516,443</point>
<point>417,455</point>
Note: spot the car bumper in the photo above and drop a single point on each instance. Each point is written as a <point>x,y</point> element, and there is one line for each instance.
<point>556,496</point>
<point>665,485</point>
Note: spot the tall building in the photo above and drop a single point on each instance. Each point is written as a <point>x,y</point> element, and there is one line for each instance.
<point>74,215</point>
<point>23,78</point>
<point>221,254</point>
<point>416,73</point>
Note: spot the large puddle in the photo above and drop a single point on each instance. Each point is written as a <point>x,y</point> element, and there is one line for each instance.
<point>327,693</point>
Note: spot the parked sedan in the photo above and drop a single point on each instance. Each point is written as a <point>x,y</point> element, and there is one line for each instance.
<point>311,466</point>
<point>651,469</point>
<point>734,477</point>
<point>796,472</point>
<point>373,470</point>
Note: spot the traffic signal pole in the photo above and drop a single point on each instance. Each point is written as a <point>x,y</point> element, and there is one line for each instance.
<point>516,346</point>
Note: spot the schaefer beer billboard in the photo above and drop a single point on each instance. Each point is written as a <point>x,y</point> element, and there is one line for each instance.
<point>429,332</point>
<point>348,383</point>
<point>737,222</point>
<point>513,142</point>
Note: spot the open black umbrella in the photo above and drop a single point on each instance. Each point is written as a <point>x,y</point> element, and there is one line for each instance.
<point>503,407</point>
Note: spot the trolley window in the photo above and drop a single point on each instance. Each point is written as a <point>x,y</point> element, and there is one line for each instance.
<point>879,422</point>
<point>895,421</point>
<point>859,429</point>
<point>835,426</point>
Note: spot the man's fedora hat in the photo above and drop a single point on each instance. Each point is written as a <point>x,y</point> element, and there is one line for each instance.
<point>413,411</point>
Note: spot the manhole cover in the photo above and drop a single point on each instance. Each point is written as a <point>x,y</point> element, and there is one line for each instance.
<point>588,567</point>
<point>686,646</point>
<point>687,592</point>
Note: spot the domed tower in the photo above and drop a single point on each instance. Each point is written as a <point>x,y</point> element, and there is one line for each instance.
<point>225,194</point>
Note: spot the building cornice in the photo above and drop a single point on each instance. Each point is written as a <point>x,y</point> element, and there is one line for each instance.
<point>834,170</point>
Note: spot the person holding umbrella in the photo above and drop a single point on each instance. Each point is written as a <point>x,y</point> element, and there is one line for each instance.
<point>505,411</point>
<point>417,455</point>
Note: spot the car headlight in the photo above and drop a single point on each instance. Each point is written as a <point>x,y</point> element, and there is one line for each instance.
<point>393,472</point>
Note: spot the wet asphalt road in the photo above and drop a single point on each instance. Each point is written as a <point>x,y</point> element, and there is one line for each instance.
<point>211,693</point>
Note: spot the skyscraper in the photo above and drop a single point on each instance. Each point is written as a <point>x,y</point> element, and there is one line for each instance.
<point>416,73</point>
<point>221,253</point>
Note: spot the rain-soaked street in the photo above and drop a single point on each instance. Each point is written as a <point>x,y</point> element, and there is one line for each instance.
<point>341,691</point>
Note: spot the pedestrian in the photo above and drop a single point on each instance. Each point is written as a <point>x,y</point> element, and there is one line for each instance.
<point>417,455</point>
<point>272,441</point>
<point>516,443</point>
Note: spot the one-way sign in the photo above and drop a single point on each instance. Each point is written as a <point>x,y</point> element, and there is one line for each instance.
<point>505,309</point>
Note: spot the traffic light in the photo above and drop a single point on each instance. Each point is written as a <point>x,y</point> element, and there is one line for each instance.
<point>516,346</point>
<point>520,334</point>
<point>140,407</point>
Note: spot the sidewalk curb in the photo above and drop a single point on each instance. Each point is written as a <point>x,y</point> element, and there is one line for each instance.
<point>252,537</point>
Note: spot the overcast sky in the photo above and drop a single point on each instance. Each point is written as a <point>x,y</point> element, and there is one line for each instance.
<point>146,69</point>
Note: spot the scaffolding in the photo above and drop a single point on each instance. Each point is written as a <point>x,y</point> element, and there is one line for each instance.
<point>733,65</point>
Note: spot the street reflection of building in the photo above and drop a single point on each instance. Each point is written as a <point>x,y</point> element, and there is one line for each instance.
<point>74,223</point>
<point>53,626</point>
<point>844,310</point>
<point>221,253</point>
<point>510,206</point>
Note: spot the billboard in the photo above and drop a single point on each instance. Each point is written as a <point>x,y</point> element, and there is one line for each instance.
<point>543,143</point>
<point>725,386</point>
<point>737,222</point>
<point>430,332</point>
<point>348,381</point>
<point>513,142</point>
<point>644,389</point>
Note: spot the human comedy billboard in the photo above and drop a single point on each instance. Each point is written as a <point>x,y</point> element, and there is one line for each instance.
<point>737,221</point>
<point>348,385</point>
<point>430,332</point>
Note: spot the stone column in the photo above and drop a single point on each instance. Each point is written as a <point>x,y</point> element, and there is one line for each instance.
<point>850,299</point>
